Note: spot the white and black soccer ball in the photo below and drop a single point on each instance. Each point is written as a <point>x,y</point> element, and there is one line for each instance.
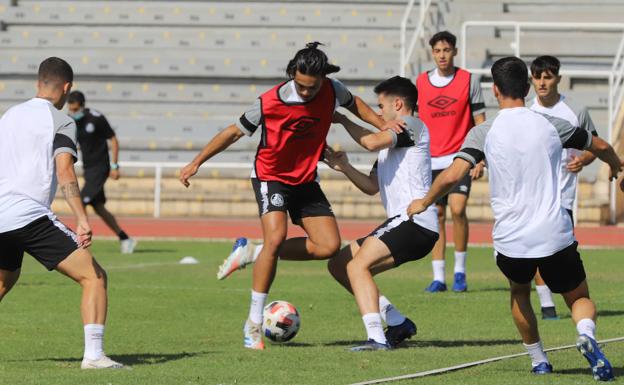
<point>281,321</point>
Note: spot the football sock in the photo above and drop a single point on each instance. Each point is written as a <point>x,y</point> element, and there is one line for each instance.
<point>122,235</point>
<point>586,326</point>
<point>389,313</point>
<point>460,261</point>
<point>438,270</point>
<point>94,341</point>
<point>545,296</point>
<point>257,306</point>
<point>536,351</point>
<point>374,328</point>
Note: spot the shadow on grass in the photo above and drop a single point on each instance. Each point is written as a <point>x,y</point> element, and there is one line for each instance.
<point>432,343</point>
<point>143,251</point>
<point>610,313</point>
<point>455,343</point>
<point>137,359</point>
<point>292,345</point>
<point>486,289</point>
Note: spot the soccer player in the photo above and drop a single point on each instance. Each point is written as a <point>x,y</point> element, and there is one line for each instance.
<point>37,149</point>
<point>401,174</point>
<point>294,118</point>
<point>450,103</point>
<point>545,78</point>
<point>532,230</point>
<point>93,134</point>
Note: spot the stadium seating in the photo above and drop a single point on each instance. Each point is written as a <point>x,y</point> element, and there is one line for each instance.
<point>168,75</point>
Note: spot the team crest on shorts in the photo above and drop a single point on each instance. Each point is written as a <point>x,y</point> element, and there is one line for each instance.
<point>277,200</point>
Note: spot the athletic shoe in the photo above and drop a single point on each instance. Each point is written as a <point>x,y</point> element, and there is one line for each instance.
<point>600,366</point>
<point>436,286</point>
<point>399,333</point>
<point>128,245</point>
<point>238,258</point>
<point>370,345</point>
<point>542,368</point>
<point>460,284</point>
<point>549,313</point>
<point>101,363</point>
<point>253,336</point>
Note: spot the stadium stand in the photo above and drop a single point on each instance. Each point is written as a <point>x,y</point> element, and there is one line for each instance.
<point>169,75</point>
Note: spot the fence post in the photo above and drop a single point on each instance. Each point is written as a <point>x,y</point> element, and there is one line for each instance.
<point>157,190</point>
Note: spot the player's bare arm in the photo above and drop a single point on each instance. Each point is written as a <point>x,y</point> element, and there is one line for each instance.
<point>219,142</point>
<point>364,112</point>
<point>578,162</point>
<point>479,118</point>
<point>441,186</point>
<point>371,141</point>
<point>338,160</point>
<point>114,149</point>
<point>606,153</point>
<point>68,184</point>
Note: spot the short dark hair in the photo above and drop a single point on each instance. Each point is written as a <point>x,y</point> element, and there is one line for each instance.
<point>545,63</point>
<point>401,87</point>
<point>310,61</point>
<point>76,97</point>
<point>511,77</point>
<point>443,36</point>
<point>54,69</point>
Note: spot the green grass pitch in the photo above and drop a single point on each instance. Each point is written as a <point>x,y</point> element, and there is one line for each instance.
<point>176,324</point>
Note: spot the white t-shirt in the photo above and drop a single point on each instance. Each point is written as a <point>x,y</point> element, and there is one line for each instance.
<point>578,117</point>
<point>522,149</point>
<point>31,135</point>
<point>404,173</point>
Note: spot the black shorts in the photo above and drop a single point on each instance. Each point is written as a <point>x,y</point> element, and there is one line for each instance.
<point>92,192</point>
<point>462,187</point>
<point>406,240</point>
<point>562,271</point>
<point>49,241</point>
<point>301,201</point>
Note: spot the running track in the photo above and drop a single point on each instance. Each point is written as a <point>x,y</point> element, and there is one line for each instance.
<point>219,228</point>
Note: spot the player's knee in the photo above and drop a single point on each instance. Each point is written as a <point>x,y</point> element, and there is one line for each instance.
<point>458,211</point>
<point>328,249</point>
<point>520,291</point>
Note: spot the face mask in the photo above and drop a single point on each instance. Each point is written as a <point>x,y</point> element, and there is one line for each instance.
<point>77,115</point>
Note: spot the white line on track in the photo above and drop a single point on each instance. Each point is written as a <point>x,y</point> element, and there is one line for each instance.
<point>470,364</point>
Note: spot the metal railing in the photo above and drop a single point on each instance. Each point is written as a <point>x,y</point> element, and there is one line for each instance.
<point>160,166</point>
<point>615,76</point>
<point>406,51</point>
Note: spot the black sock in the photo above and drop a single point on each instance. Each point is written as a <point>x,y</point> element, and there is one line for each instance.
<point>122,235</point>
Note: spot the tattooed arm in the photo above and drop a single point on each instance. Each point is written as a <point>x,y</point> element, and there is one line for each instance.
<point>69,187</point>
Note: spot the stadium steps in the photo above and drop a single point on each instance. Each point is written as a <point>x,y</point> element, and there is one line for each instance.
<point>222,197</point>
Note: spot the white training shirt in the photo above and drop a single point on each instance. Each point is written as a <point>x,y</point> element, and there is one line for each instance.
<point>404,173</point>
<point>578,117</point>
<point>31,135</point>
<point>522,149</point>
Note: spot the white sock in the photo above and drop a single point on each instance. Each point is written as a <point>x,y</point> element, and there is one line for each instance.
<point>94,341</point>
<point>256,252</point>
<point>536,351</point>
<point>460,261</point>
<point>374,328</point>
<point>390,314</point>
<point>545,296</point>
<point>586,326</point>
<point>257,306</point>
<point>438,270</point>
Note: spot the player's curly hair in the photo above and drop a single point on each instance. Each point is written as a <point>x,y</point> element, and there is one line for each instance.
<point>311,61</point>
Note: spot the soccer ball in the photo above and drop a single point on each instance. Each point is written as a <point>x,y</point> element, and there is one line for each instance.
<point>281,321</point>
